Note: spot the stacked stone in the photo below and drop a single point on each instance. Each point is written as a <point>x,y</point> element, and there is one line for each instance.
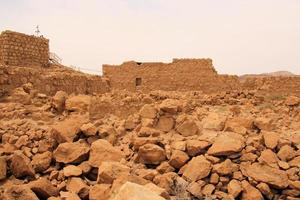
<point>23,50</point>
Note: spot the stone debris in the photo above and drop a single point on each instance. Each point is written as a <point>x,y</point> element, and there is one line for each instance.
<point>158,145</point>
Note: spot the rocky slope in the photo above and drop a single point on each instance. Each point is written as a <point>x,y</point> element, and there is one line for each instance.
<point>165,145</point>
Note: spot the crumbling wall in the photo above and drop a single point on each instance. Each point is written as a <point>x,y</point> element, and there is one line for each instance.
<point>279,85</point>
<point>18,49</point>
<point>180,75</point>
<point>50,80</point>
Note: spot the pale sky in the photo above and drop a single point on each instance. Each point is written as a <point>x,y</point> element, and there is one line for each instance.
<point>241,36</point>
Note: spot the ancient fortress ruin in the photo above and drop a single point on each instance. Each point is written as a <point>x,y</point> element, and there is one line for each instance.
<point>25,59</point>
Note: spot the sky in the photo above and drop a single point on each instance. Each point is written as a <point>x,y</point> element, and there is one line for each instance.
<point>241,36</point>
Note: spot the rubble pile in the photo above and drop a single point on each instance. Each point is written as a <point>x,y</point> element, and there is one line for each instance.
<point>178,146</point>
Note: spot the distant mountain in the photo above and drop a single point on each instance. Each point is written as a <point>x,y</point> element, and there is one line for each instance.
<point>277,73</point>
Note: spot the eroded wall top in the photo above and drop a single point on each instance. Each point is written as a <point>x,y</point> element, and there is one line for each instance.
<point>18,49</point>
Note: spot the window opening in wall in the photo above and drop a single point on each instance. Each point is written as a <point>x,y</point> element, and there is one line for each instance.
<point>138,63</point>
<point>138,81</point>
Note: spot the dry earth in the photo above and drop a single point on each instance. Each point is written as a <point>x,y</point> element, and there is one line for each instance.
<point>166,145</point>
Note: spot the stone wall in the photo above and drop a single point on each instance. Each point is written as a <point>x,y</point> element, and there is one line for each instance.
<point>18,49</point>
<point>180,75</point>
<point>50,80</point>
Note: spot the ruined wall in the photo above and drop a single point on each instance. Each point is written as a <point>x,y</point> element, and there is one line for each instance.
<point>279,85</point>
<point>18,49</point>
<point>50,80</point>
<point>180,75</point>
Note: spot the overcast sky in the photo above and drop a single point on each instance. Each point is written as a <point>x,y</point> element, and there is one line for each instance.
<point>241,36</point>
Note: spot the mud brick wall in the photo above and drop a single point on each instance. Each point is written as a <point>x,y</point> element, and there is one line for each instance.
<point>18,49</point>
<point>180,75</point>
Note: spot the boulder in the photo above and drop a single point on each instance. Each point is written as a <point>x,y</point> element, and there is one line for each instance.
<point>72,170</point>
<point>71,152</point>
<point>197,169</point>
<point>58,101</point>
<point>165,124</point>
<point>271,139</point>
<point>187,128</point>
<point>79,103</point>
<point>88,129</point>
<point>20,165</point>
<point>263,173</point>
<point>234,188</point>
<point>195,147</point>
<point>40,162</point>
<point>214,121</point>
<point>43,188</point>
<point>250,192</point>
<point>226,144</point>
<point>3,168</point>
<point>132,191</point>
<point>148,111</point>
<point>263,123</point>
<point>19,192</point>
<point>295,162</point>
<point>225,168</point>
<point>78,186</point>
<point>99,192</point>
<point>292,101</point>
<point>102,150</point>
<point>286,153</point>
<point>151,154</point>
<point>109,171</point>
<point>170,106</point>
<point>178,159</point>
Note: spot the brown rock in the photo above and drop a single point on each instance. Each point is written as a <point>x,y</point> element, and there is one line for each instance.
<point>43,188</point>
<point>226,144</point>
<point>20,165</point>
<point>165,167</point>
<point>72,170</point>
<point>234,188</point>
<point>166,181</point>
<point>109,171</point>
<point>165,124</point>
<point>195,189</point>
<point>225,168</point>
<point>208,189</point>
<point>268,157</point>
<point>58,101</point>
<point>19,192</point>
<point>264,123</point>
<point>100,192</point>
<point>286,153</point>
<point>67,130</point>
<point>271,139</point>
<point>78,103</point>
<point>151,154</point>
<point>3,168</point>
<point>197,169</point>
<point>70,152</point>
<point>292,101</point>
<point>187,128</point>
<point>214,121</point>
<point>78,186</point>
<point>170,106</point>
<point>41,162</point>
<point>195,147</point>
<point>295,162</point>
<point>178,159</point>
<point>250,192</point>
<point>132,191</point>
<point>102,150</point>
<point>263,173</point>
<point>158,190</point>
<point>148,111</point>
<point>88,129</point>
<point>265,190</point>
<point>69,196</point>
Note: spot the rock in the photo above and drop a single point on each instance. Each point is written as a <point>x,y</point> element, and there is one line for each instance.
<point>214,178</point>
<point>72,170</point>
<point>88,129</point>
<point>69,196</point>
<point>71,152</point>
<point>227,144</point>
<point>197,169</point>
<point>132,191</point>
<point>3,168</point>
<point>286,153</point>
<point>109,171</point>
<point>225,168</point>
<point>58,101</point>
<point>271,139</point>
<point>147,174</point>
<point>67,130</point>
<point>41,162</point>
<point>166,181</point>
<point>195,147</point>
<point>78,186</point>
<point>178,159</point>
<point>292,101</point>
<point>151,154</point>
<point>19,192</point>
<point>214,121</point>
<point>187,128</point>
<point>208,189</point>
<point>20,165</point>
<point>294,185</point>
<point>195,189</point>
<point>250,192</point>
<point>170,106</point>
<point>268,157</point>
<point>102,150</point>
<point>263,123</point>
<point>79,103</point>
<point>158,190</point>
<point>263,173</point>
<point>99,192</point>
<point>165,167</point>
<point>295,162</point>
<point>148,111</point>
<point>165,124</point>
<point>265,190</point>
<point>234,188</point>
<point>43,188</point>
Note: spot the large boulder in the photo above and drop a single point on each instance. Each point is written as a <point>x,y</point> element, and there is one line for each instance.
<point>151,154</point>
<point>58,101</point>
<point>70,152</point>
<point>226,144</point>
<point>20,165</point>
<point>43,188</point>
<point>41,162</point>
<point>109,171</point>
<point>79,103</point>
<point>197,169</point>
<point>102,150</point>
<point>250,192</point>
<point>19,192</point>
